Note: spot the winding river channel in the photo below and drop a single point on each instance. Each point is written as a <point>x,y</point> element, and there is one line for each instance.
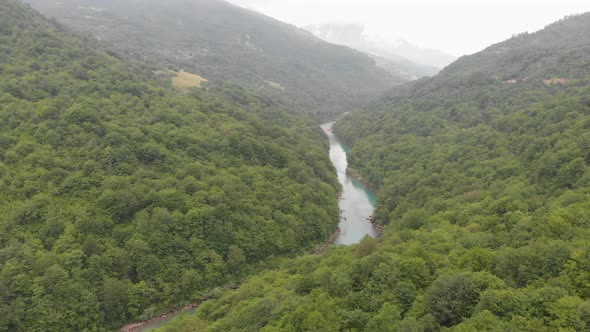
<point>357,202</point>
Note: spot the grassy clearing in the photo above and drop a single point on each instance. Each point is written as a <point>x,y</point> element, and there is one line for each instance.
<point>184,80</point>
<point>275,85</point>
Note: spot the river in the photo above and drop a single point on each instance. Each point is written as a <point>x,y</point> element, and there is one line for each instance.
<point>357,202</point>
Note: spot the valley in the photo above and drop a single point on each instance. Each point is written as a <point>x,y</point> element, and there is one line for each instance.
<point>484,197</point>
<point>356,201</point>
<point>149,161</point>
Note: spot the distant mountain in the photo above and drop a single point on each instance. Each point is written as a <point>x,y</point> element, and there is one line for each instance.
<point>425,56</point>
<point>399,66</point>
<point>415,61</point>
<point>223,42</point>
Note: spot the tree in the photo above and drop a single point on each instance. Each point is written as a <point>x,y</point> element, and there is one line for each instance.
<point>367,245</point>
<point>385,320</point>
<point>114,300</point>
<point>451,298</point>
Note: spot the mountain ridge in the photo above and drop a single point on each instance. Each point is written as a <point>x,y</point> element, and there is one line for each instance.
<point>319,78</point>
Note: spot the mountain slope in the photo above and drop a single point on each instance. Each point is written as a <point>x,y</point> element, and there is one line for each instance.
<point>223,42</point>
<point>120,197</point>
<point>485,89</point>
<point>484,188</point>
<point>558,51</point>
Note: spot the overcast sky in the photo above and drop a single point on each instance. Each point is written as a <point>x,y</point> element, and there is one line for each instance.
<point>455,26</point>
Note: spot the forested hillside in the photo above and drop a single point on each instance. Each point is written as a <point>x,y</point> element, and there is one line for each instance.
<point>484,184</point>
<point>121,197</point>
<point>223,42</point>
<point>561,50</point>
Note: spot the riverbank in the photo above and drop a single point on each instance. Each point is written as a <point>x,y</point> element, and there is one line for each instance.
<point>378,227</point>
<point>352,173</point>
<point>326,244</point>
<point>138,326</point>
<point>141,325</point>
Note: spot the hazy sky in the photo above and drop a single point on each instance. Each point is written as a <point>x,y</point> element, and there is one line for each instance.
<point>455,26</point>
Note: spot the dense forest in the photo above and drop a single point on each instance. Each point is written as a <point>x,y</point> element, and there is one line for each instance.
<point>484,188</point>
<point>223,42</point>
<point>122,197</point>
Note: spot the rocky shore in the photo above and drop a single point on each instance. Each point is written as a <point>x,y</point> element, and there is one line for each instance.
<point>322,247</point>
<point>360,179</point>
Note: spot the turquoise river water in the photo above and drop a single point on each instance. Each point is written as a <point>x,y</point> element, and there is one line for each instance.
<point>357,202</point>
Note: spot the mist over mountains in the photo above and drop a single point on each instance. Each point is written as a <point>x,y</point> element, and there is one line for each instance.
<point>414,60</point>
